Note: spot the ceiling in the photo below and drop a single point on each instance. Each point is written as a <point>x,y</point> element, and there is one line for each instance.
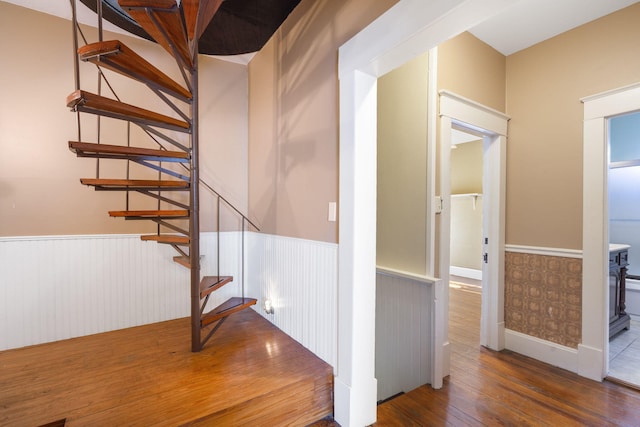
<point>521,25</point>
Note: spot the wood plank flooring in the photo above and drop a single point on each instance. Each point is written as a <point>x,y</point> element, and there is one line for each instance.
<point>488,388</point>
<point>250,373</point>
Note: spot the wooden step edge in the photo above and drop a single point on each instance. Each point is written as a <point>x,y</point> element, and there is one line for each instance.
<point>227,308</point>
<point>173,213</point>
<point>87,102</point>
<point>183,261</point>
<point>167,28</point>
<point>171,239</point>
<point>117,57</point>
<point>209,284</point>
<point>83,148</point>
<point>128,184</point>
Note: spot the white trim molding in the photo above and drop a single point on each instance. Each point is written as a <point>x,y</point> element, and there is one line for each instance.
<point>408,29</point>
<point>543,350</point>
<point>470,273</point>
<point>537,250</point>
<point>459,112</point>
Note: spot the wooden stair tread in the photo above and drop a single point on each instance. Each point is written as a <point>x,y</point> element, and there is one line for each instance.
<point>116,56</point>
<point>167,238</point>
<point>84,149</point>
<point>87,102</point>
<point>209,284</point>
<point>128,184</point>
<point>197,15</point>
<point>162,19</point>
<point>171,213</point>
<point>227,308</point>
<point>183,261</point>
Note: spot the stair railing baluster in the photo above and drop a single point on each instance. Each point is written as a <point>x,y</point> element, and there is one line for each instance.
<point>99,9</point>
<point>218,238</point>
<point>242,257</point>
<point>76,60</point>
<point>194,219</point>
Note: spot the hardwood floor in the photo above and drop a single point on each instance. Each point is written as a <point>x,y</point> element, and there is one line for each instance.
<point>250,373</point>
<point>504,388</point>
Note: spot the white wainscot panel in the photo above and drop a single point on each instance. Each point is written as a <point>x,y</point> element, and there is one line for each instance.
<point>404,332</point>
<point>59,287</point>
<point>300,278</point>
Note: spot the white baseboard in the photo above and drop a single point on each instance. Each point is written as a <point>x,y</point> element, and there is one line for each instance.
<point>465,272</point>
<point>545,351</point>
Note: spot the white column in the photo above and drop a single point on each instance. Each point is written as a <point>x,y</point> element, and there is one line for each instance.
<point>355,384</point>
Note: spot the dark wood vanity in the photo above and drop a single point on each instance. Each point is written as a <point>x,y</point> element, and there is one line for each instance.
<point>618,261</point>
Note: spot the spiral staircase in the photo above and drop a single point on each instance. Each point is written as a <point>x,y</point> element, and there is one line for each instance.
<point>175,191</point>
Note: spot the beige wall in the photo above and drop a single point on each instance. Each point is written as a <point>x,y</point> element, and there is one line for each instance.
<point>402,167</point>
<point>293,117</point>
<point>471,68</point>
<point>466,168</point>
<point>40,193</point>
<point>544,154</point>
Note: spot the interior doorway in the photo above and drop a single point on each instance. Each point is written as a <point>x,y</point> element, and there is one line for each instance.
<point>624,244</point>
<point>460,114</point>
<point>593,351</point>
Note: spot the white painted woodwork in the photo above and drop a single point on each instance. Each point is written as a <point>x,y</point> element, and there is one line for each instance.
<point>405,307</point>
<point>457,111</point>
<point>408,29</point>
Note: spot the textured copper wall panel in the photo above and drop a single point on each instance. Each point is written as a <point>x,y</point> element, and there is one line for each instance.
<point>543,297</point>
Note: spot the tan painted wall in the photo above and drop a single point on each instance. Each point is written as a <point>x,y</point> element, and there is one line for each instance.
<point>293,117</point>
<point>402,167</point>
<point>471,68</point>
<point>40,193</point>
<point>544,155</point>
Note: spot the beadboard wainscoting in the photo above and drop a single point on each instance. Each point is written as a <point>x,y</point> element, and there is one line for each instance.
<point>405,308</point>
<point>300,278</point>
<point>58,287</point>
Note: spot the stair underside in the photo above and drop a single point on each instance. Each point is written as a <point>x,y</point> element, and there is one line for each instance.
<point>87,102</point>
<point>231,306</point>
<point>209,284</point>
<point>198,15</point>
<point>105,151</point>
<point>167,238</point>
<point>163,21</point>
<point>151,214</point>
<point>116,56</point>
<point>135,184</point>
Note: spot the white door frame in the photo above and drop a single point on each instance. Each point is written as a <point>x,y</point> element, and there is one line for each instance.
<point>457,111</point>
<point>593,361</point>
<point>408,29</point>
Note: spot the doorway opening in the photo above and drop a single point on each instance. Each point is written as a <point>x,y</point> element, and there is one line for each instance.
<point>466,228</point>
<point>624,247</point>
<point>461,114</point>
<point>593,351</point>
